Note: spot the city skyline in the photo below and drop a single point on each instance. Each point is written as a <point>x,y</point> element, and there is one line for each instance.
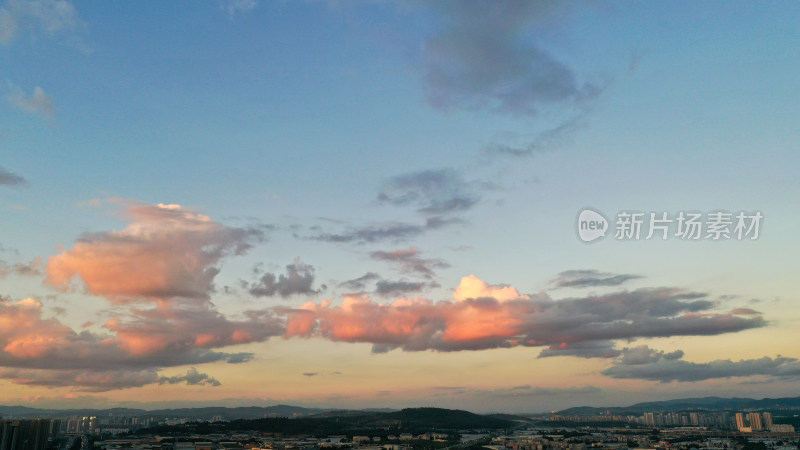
<point>380,204</point>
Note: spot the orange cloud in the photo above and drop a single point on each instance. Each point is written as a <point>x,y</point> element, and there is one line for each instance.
<point>166,251</point>
<point>489,316</point>
<point>45,352</point>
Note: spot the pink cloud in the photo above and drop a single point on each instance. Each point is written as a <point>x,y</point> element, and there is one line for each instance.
<point>38,351</point>
<point>166,251</point>
<point>489,316</point>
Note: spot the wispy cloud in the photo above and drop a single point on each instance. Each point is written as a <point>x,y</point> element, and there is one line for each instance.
<point>409,261</point>
<point>48,17</point>
<point>645,363</point>
<point>234,7</point>
<point>382,232</point>
<point>590,278</point>
<point>432,192</point>
<point>547,139</point>
<point>360,283</point>
<point>400,287</point>
<point>38,102</point>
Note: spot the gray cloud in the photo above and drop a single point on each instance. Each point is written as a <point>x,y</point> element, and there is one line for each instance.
<point>590,278</point>
<point>485,59</point>
<point>392,231</point>
<point>310,374</point>
<point>11,179</point>
<point>386,287</point>
<point>82,380</point>
<point>192,378</point>
<point>589,349</point>
<point>409,261</point>
<point>360,283</point>
<point>644,355</point>
<point>432,192</point>
<point>33,268</point>
<point>644,363</point>
<point>299,279</point>
<point>547,139</point>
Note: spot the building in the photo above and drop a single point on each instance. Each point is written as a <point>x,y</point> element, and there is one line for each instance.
<point>24,434</point>
<point>740,425</point>
<point>755,421</point>
<point>767,418</point>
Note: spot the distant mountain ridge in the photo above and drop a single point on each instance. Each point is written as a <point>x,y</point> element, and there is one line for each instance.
<point>684,404</point>
<point>203,413</point>
<point>258,412</point>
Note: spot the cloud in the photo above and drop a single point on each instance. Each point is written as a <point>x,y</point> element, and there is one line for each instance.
<point>645,355</point>
<point>360,283</point>
<point>472,287</point>
<point>432,192</point>
<point>168,256</point>
<point>386,287</point>
<point>644,363</point>
<point>485,59</point>
<point>547,139</point>
<point>745,312</point>
<point>38,102</point>
<point>81,380</point>
<point>487,316</point>
<point>166,251</point>
<point>51,17</point>
<point>310,374</point>
<point>43,351</point>
<point>298,279</point>
<point>239,6</point>
<point>192,378</point>
<point>589,349</point>
<point>101,381</point>
<point>590,278</point>
<point>389,231</point>
<point>409,261</point>
<point>11,179</point>
<point>165,335</point>
<point>527,390</point>
<point>33,268</point>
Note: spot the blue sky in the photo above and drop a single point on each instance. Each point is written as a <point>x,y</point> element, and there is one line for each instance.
<point>349,173</point>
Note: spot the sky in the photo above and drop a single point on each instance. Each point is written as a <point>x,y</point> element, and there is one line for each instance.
<point>352,204</point>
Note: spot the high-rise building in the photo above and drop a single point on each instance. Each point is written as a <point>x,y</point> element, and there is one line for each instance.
<point>740,425</point>
<point>24,434</point>
<point>767,417</point>
<point>755,421</point>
